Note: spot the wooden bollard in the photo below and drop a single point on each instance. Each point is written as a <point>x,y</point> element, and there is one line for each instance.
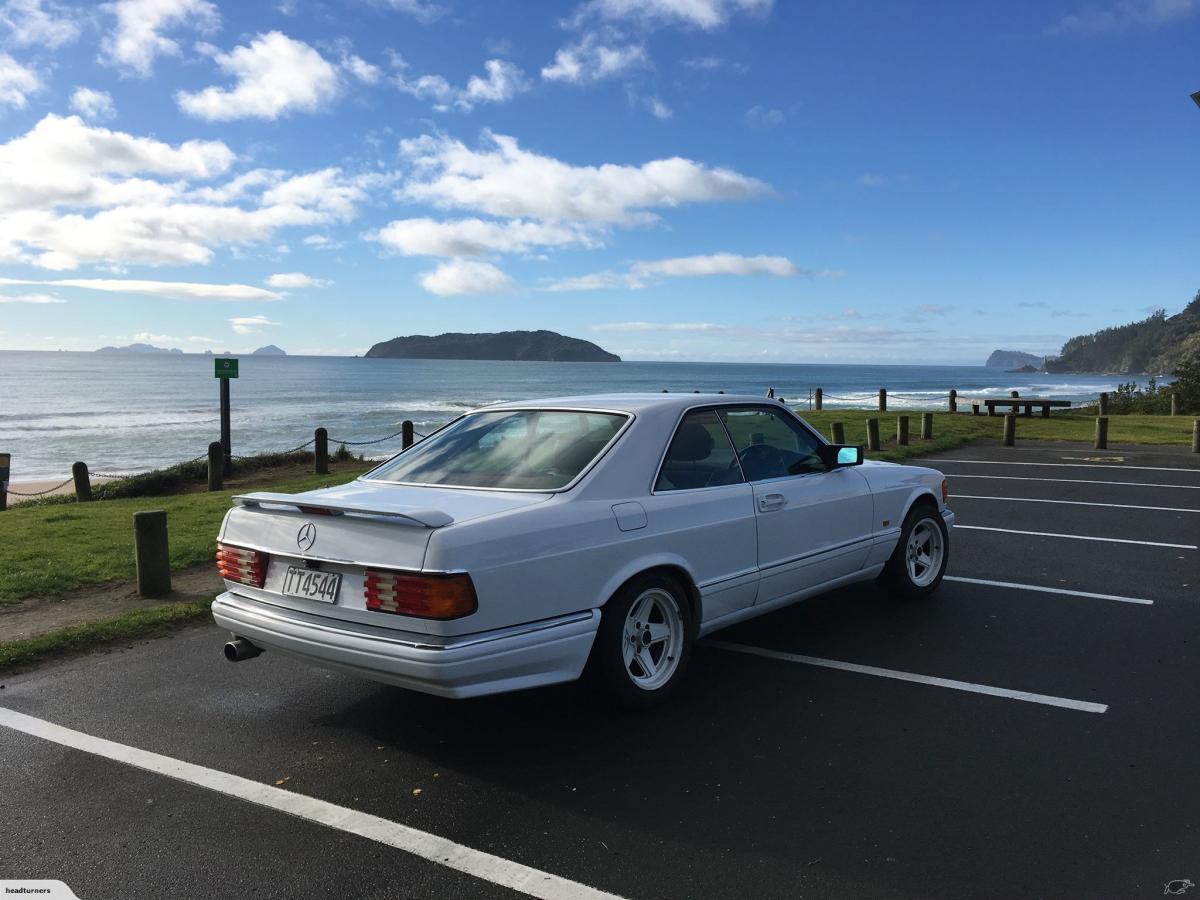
<point>770,393</point>
<point>216,466</point>
<point>872,434</point>
<point>927,426</point>
<point>1174,404</point>
<point>151,553</point>
<point>1010,430</point>
<point>818,398</point>
<point>1014,394</point>
<point>321,451</point>
<point>953,400</point>
<point>901,430</point>
<point>1101,432</point>
<point>883,399</point>
<point>839,432</point>
<point>1103,410</point>
<point>1196,436</point>
<point>406,437</point>
<point>83,484</point>
<point>5,462</point>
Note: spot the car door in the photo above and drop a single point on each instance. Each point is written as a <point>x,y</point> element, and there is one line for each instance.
<point>813,523</point>
<point>702,508</point>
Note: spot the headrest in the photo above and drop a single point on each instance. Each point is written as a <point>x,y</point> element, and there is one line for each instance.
<point>692,444</point>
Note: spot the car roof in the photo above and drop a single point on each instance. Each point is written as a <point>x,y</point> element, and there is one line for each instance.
<point>632,402</point>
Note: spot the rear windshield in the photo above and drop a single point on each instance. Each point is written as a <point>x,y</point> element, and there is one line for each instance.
<point>535,450</point>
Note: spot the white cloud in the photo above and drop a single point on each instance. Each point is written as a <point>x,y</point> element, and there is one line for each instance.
<point>138,37</point>
<point>1125,14</point>
<point>92,104</point>
<point>595,58</point>
<point>476,237</point>
<point>35,23</point>
<point>274,74</point>
<point>642,273</point>
<point>503,81</point>
<point>705,14</point>
<point>38,299</point>
<point>159,340</point>
<point>872,179</point>
<point>421,10</point>
<point>714,64</point>
<point>329,191</point>
<point>658,109</point>
<point>174,290</point>
<point>16,82</point>
<point>250,324</point>
<point>296,280</point>
<point>764,117</point>
<point>465,276</point>
<point>367,73</point>
<point>504,180</point>
<point>594,281</point>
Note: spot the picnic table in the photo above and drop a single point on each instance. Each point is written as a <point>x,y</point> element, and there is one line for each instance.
<point>1014,403</point>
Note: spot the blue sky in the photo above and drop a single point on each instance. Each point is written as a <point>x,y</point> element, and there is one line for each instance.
<point>740,180</point>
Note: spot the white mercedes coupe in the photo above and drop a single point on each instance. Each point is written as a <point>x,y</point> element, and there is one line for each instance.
<point>528,543</point>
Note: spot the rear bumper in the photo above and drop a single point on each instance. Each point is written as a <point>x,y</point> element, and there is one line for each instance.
<point>489,662</point>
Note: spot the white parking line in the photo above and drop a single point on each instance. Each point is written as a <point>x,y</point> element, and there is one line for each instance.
<point>1077,537</point>
<point>1076,503</point>
<point>443,852</point>
<point>1047,590</point>
<point>1141,484</point>
<point>1001,462</point>
<point>1007,693</point>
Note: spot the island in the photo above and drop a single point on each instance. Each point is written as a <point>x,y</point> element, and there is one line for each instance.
<point>525,346</point>
<point>1154,346</point>
<point>1013,359</point>
<point>269,350</point>
<point>139,348</point>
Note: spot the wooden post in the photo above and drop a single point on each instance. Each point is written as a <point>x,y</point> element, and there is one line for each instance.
<point>953,400</point>
<point>819,397</point>
<point>406,439</point>
<point>839,432</point>
<point>770,393</point>
<point>1101,432</point>
<point>151,554</point>
<point>1174,404</point>
<point>927,426</point>
<point>1196,436</point>
<point>1103,403</point>
<point>901,430</point>
<point>872,434</point>
<point>83,485</point>
<point>5,462</point>
<point>1010,430</point>
<point>883,399</point>
<point>216,466</point>
<point>321,451</point>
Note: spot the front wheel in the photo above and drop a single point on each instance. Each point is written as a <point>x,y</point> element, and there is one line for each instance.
<point>919,561</point>
<point>644,641</point>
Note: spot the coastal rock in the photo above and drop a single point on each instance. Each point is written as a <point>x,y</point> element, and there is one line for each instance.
<point>269,350</point>
<point>1013,359</point>
<point>139,348</point>
<point>505,345</point>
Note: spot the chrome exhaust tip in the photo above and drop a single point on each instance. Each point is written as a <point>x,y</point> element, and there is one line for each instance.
<point>239,649</point>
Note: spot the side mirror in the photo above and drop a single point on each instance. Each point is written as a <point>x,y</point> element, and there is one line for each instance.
<point>837,456</point>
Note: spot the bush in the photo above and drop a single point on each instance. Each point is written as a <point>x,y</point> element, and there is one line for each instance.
<point>1155,399</point>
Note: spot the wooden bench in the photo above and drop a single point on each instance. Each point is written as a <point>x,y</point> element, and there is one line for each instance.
<point>1014,403</point>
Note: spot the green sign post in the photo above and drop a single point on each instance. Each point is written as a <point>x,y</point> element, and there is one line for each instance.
<point>223,371</point>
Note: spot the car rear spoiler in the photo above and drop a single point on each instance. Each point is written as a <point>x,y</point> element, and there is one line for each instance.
<point>426,518</point>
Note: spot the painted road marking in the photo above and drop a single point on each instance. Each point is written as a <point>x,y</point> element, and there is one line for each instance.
<point>1141,484</point>
<point>999,462</point>
<point>443,852</point>
<point>1077,537</point>
<point>1047,590</point>
<point>1007,693</point>
<point>1077,503</point>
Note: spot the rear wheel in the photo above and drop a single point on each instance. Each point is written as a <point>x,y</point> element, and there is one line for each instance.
<point>644,641</point>
<point>919,561</point>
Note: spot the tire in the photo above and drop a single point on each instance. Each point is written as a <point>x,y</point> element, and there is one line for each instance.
<point>919,561</point>
<point>644,673</point>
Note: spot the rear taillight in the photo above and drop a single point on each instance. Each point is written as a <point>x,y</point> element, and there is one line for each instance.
<point>242,565</point>
<point>423,596</point>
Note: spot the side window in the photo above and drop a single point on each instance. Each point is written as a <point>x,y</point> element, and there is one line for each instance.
<point>771,444</point>
<point>699,456</point>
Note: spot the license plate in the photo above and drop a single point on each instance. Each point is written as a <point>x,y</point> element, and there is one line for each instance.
<point>311,584</point>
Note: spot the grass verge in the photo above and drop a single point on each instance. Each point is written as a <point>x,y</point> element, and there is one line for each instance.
<point>127,626</point>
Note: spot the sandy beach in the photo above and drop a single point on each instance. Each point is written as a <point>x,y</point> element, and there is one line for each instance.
<point>33,487</point>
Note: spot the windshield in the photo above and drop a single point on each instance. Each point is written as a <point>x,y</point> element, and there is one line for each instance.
<point>537,450</point>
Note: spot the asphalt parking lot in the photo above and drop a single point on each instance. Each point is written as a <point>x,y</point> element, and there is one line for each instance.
<point>1031,730</point>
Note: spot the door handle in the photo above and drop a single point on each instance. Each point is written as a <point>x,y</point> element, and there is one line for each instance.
<point>768,502</point>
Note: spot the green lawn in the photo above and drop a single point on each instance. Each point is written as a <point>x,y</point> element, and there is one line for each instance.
<point>53,548</point>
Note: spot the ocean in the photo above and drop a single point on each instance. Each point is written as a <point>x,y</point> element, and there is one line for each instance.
<point>123,413</point>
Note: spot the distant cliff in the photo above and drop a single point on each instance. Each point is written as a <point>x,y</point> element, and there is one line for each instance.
<point>1012,359</point>
<point>504,345</point>
<point>139,348</point>
<point>1155,345</point>
<point>269,350</point>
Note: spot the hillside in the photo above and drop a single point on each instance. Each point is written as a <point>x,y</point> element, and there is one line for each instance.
<point>505,345</point>
<point>1156,345</point>
<point>1012,359</point>
<point>139,348</point>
